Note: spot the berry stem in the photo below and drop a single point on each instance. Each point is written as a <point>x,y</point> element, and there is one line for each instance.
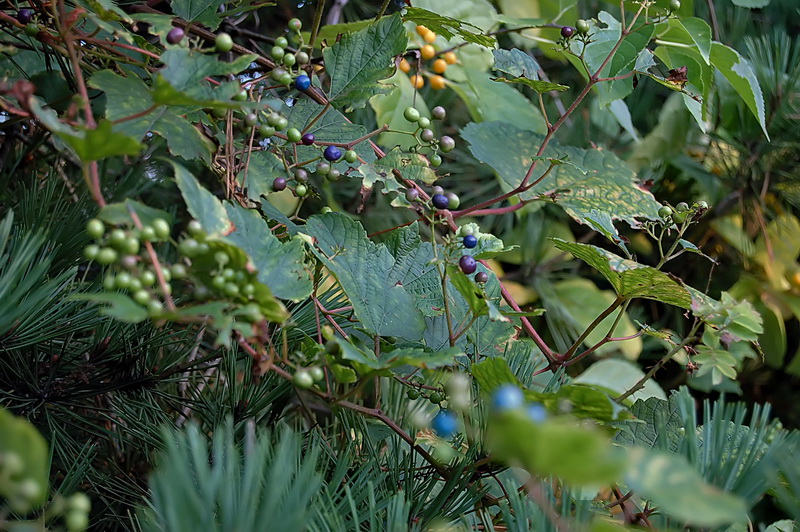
<point>619,300</point>
<point>154,259</point>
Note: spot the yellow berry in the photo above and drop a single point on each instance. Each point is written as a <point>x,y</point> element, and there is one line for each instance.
<point>439,66</point>
<point>405,66</point>
<point>438,83</point>
<point>422,30</point>
<point>427,52</point>
<point>429,37</point>
<point>417,81</point>
<point>451,58</point>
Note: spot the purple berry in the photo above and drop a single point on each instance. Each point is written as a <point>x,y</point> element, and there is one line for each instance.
<point>302,82</point>
<point>440,201</point>
<point>332,153</point>
<point>507,397</point>
<point>470,241</point>
<point>467,264</point>
<point>175,35</point>
<point>481,277</point>
<point>412,194</point>
<point>308,139</point>
<point>445,424</point>
<point>24,15</point>
<point>279,184</point>
<point>567,32</point>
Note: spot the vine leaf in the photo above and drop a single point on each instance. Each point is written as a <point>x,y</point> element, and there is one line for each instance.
<point>362,267</point>
<point>441,25</point>
<point>628,278</point>
<point>182,81</point>
<point>360,58</point>
<point>120,306</point>
<point>678,490</point>
<point>410,165</point>
<point>201,203</point>
<point>130,96</point>
<point>600,181</point>
<point>523,69</point>
<point>203,12</point>
<point>280,265</point>
<point>120,213</point>
<point>739,72</point>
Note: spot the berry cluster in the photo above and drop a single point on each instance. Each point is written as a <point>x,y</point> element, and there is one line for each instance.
<point>439,65</point>
<point>682,213</point>
<point>425,136</point>
<point>509,397</point>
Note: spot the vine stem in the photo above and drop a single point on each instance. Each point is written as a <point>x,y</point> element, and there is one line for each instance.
<point>592,326</point>
<point>640,384</point>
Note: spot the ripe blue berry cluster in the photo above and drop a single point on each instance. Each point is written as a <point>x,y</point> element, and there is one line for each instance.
<point>510,397</point>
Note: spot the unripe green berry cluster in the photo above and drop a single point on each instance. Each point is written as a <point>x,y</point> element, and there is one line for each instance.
<point>425,136</point>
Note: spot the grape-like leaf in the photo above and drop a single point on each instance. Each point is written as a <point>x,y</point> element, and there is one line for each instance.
<point>359,59</point>
<point>204,12</point>
<point>202,204</point>
<point>442,25</point>
<point>280,265</point>
<point>363,269</point>
<point>628,278</point>
<point>606,185</point>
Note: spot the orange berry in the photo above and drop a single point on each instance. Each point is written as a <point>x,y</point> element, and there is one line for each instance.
<point>438,83</point>
<point>405,66</point>
<point>417,81</point>
<point>429,37</point>
<point>795,280</point>
<point>439,66</point>
<point>427,52</point>
<point>422,30</point>
<point>451,58</point>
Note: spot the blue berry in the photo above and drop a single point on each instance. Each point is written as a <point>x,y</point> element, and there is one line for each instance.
<point>470,241</point>
<point>468,264</point>
<point>332,153</point>
<point>536,412</point>
<point>507,397</point>
<point>445,424</point>
<point>440,201</point>
<point>302,82</point>
<point>24,15</point>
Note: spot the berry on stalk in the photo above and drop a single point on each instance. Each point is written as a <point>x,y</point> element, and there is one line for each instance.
<point>482,277</point>
<point>470,241</point>
<point>440,201</point>
<point>223,43</point>
<point>332,153</point>
<point>175,35</point>
<point>411,114</point>
<point>567,32</point>
<point>445,424</point>
<point>468,264</point>
<point>24,16</point>
<point>279,184</point>
<point>308,139</point>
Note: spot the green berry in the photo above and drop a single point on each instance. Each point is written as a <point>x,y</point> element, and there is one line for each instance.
<point>412,394</point>
<point>109,283</point>
<point>148,278</point>
<point>135,284</point>
<point>142,297</point>
<point>350,156</point>
<point>301,190</point>
<point>117,238</point>
<point>76,521</point>
<point>286,79</point>
<point>424,122</point>
<point>323,168</point>
<point>283,122</point>
<point>294,135</point>
<point>411,114</point>
<point>679,217</point>
<point>317,373</point>
<point>147,233</point>
<point>223,43</point>
<point>231,289</point>
<point>582,26</point>
<point>79,502</point>
<point>436,160</point>
<point>31,29</point>
<point>248,290</point>
<point>702,205</point>
<point>221,258</point>
<point>333,175</point>
<point>178,271</point>
<point>123,280</point>
<point>154,308</point>
<point>302,58</point>
<point>131,245</point>
<point>91,251</point>
<point>435,398</point>
<point>106,256</point>
<point>240,96</point>
<point>332,347</point>
<point>453,201</point>
<point>218,282</point>
<point>295,25</point>
<point>674,5</point>
<point>278,73</point>
<point>282,42</point>
<point>266,131</point>
<point>161,227</point>
<point>664,212</point>
<point>303,379</point>
<point>95,228</point>
<point>194,228</point>
<point>189,247</point>
<point>277,53</point>
<point>289,60</point>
